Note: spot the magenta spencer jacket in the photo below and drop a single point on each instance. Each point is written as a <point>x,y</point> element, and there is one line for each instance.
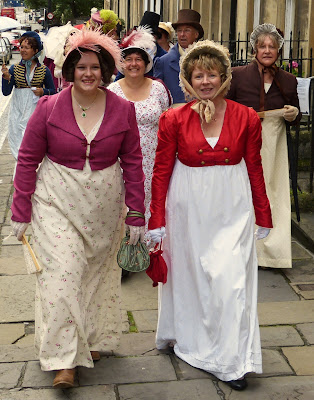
<point>52,130</point>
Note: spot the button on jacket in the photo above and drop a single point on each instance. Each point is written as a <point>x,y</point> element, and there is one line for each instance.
<point>52,131</point>
<point>180,135</point>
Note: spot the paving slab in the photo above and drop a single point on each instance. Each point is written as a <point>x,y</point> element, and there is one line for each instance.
<point>10,333</point>
<point>10,374</point>
<point>17,293</point>
<point>275,388</point>
<point>279,336</point>
<point>5,188</point>
<point>12,266</point>
<point>301,359</point>
<point>301,271</point>
<point>15,353</point>
<point>307,331</point>
<point>299,252</point>
<point>137,344</point>
<point>285,313</point>
<point>274,364</point>
<point>103,392</point>
<point>184,390</point>
<point>34,377</point>
<point>128,370</point>
<point>186,372</point>
<point>26,340</point>
<point>11,251</point>
<point>146,320</point>
<point>301,289</point>
<point>272,286</point>
<point>138,292</point>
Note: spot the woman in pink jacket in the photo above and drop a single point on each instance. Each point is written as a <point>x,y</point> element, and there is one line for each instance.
<point>81,138</point>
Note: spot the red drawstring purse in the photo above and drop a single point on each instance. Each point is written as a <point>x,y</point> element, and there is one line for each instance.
<point>157,270</point>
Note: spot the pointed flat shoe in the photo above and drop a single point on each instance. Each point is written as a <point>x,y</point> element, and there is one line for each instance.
<point>239,384</point>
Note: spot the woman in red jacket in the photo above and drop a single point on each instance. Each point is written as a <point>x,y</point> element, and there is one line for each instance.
<point>82,137</point>
<point>208,166</point>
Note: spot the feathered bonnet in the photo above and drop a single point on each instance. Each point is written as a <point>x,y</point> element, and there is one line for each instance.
<point>205,108</point>
<point>106,20</point>
<point>142,40</point>
<point>94,40</point>
<point>266,29</point>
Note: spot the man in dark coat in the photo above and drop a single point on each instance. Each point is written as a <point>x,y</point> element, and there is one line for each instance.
<point>167,68</point>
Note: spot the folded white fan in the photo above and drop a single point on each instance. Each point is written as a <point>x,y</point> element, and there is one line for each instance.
<point>31,261</point>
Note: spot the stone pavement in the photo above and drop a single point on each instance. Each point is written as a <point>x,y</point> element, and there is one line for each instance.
<point>137,371</point>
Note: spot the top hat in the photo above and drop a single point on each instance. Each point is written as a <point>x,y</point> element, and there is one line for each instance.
<point>152,20</point>
<point>189,17</point>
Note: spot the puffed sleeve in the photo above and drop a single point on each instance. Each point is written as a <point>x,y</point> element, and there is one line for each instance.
<point>253,162</point>
<point>165,98</point>
<point>164,163</point>
<point>131,163</point>
<point>32,151</point>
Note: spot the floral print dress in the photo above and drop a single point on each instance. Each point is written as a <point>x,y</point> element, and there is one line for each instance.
<point>148,112</point>
<point>76,220</point>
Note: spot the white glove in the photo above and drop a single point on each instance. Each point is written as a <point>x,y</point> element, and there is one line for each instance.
<point>157,234</point>
<point>261,233</point>
<point>290,113</point>
<point>136,233</point>
<point>19,228</point>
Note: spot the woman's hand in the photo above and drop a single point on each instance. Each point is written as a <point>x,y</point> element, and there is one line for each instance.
<point>136,233</point>
<point>19,228</point>
<point>261,233</point>
<point>157,234</point>
<point>38,91</point>
<point>290,113</point>
<point>5,72</point>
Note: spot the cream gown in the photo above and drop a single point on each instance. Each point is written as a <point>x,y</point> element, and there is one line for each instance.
<point>76,221</point>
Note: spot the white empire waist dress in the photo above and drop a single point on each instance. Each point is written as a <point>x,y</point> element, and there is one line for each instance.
<point>208,307</point>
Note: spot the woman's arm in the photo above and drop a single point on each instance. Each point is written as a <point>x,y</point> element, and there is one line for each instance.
<point>32,151</point>
<point>164,163</point>
<point>131,162</point>
<point>253,162</point>
<point>49,87</point>
<point>7,84</point>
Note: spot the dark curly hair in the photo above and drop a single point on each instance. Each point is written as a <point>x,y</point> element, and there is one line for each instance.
<point>106,63</point>
<point>31,41</point>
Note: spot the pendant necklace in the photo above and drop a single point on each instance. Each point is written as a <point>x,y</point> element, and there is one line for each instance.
<point>84,109</point>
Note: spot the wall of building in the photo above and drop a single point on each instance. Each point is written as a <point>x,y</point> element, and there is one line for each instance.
<point>218,16</point>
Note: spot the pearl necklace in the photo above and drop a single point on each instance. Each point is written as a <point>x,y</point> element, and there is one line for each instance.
<point>84,109</point>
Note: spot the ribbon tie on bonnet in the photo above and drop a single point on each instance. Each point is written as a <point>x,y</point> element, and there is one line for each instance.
<point>205,108</point>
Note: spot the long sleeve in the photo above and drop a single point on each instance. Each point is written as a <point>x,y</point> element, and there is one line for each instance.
<point>158,68</point>
<point>32,151</point>
<point>253,162</point>
<point>131,162</point>
<point>49,87</point>
<point>7,86</point>
<point>164,163</point>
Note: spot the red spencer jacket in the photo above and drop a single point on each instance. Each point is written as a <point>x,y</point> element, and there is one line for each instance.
<point>52,130</point>
<point>180,135</point>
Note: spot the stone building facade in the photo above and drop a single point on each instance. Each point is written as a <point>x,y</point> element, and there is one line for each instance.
<point>231,18</point>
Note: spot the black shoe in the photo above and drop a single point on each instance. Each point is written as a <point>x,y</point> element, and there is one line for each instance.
<point>239,384</point>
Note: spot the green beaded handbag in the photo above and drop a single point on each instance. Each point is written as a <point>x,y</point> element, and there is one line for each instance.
<point>133,258</point>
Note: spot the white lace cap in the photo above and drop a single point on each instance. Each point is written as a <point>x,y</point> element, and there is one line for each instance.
<point>266,29</point>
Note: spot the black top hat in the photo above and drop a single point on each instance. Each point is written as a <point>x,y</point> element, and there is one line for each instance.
<point>152,20</point>
<point>189,17</point>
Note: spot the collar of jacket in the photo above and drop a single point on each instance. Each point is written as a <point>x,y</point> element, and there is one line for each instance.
<point>62,115</point>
